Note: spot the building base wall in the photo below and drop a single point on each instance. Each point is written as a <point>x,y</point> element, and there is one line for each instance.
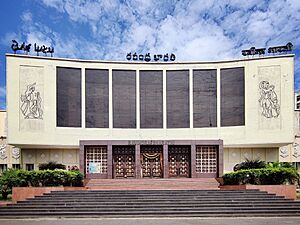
<point>71,157</point>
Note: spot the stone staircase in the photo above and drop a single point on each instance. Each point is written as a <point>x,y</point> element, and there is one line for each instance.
<point>153,203</point>
<point>153,184</point>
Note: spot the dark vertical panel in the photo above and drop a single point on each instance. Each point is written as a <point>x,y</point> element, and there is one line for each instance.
<point>232,97</point>
<point>151,99</point>
<point>178,99</point>
<point>96,98</point>
<point>68,97</point>
<point>124,99</point>
<point>205,98</point>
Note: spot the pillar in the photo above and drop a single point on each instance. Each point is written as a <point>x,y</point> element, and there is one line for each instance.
<point>138,167</point>
<point>193,161</point>
<point>166,161</point>
<point>109,162</point>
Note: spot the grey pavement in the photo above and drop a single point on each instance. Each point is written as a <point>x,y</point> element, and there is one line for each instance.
<point>156,221</point>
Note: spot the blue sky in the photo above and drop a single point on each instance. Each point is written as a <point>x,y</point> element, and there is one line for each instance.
<point>195,30</point>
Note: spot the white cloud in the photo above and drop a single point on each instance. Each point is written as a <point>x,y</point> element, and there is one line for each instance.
<point>2,91</point>
<point>26,16</point>
<point>194,30</point>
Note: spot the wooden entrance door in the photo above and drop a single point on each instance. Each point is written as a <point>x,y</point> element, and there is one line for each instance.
<point>179,161</point>
<point>123,161</point>
<point>151,161</point>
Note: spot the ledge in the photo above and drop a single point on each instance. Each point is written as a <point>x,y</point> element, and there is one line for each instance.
<point>287,191</point>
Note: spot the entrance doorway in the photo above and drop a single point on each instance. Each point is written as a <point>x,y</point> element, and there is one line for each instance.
<point>124,161</point>
<point>207,161</point>
<point>96,161</point>
<point>179,161</point>
<point>152,161</point>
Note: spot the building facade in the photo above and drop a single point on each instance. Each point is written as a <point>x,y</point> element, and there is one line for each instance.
<point>149,120</point>
<point>10,156</point>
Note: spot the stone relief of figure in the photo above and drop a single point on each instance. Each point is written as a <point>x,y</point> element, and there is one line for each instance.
<point>31,103</point>
<point>268,100</point>
<point>3,151</point>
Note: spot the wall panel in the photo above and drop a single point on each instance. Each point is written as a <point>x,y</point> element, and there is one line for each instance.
<point>178,99</point>
<point>68,97</point>
<point>151,99</point>
<point>205,98</point>
<point>232,97</point>
<point>124,98</point>
<point>96,98</point>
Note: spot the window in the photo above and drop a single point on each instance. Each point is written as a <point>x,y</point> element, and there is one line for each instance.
<point>205,98</point>
<point>3,167</point>
<point>124,98</point>
<point>151,99</point>
<point>206,159</point>
<point>232,97</point>
<point>29,167</point>
<point>96,159</point>
<point>68,97</point>
<point>178,106</point>
<point>96,98</point>
<point>16,166</point>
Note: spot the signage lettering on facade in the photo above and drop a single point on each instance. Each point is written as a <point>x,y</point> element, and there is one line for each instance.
<point>147,57</point>
<point>261,51</point>
<point>150,142</point>
<point>26,48</point>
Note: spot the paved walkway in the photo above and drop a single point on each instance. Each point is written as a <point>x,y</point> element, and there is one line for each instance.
<point>157,221</point>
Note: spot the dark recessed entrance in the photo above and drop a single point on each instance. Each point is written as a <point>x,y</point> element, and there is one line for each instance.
<point>152,161</point>
<point>124,161</point>
<point>179,161</point>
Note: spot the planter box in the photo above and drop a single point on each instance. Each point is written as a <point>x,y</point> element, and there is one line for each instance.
<point>22,193</point>
<point>288,191</point>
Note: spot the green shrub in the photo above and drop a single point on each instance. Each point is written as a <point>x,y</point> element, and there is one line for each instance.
<point>280,165</point>
<point>250,164</point>
<point>51,166</point>
<point>265,176</point>
<point>23,178</point>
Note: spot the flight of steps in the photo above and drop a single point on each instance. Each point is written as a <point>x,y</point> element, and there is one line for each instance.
<point>153,184</point>
<point>153,203</point>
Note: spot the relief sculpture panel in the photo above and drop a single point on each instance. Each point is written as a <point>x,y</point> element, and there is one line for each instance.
<point>31,98</point>
<point>269,91</point>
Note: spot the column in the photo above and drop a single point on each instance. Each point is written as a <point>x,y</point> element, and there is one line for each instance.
<point>220,159</point>
<point>82,159</point>
<point>166,161</point>
<point>109,161</point>
<point>193,161</point>
<point>138,161</point>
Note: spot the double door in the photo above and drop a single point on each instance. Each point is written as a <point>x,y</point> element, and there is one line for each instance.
<point>179,161</point>
<point>151,161</point>
<point>124,162</point>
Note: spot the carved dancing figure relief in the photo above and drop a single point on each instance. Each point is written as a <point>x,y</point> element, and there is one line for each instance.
<point>268,100</point>
<point>31,103</point>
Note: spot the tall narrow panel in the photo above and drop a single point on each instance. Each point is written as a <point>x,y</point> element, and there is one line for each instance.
<point>178,99</point>
<point>96,98</point>
<point>151,99</point>
<point>124,99</point>
<point>68,97</point>
<point>205,98</point>
<point>232,97</point>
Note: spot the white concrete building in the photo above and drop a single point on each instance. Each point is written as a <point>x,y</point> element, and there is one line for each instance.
<point>132,119</point>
